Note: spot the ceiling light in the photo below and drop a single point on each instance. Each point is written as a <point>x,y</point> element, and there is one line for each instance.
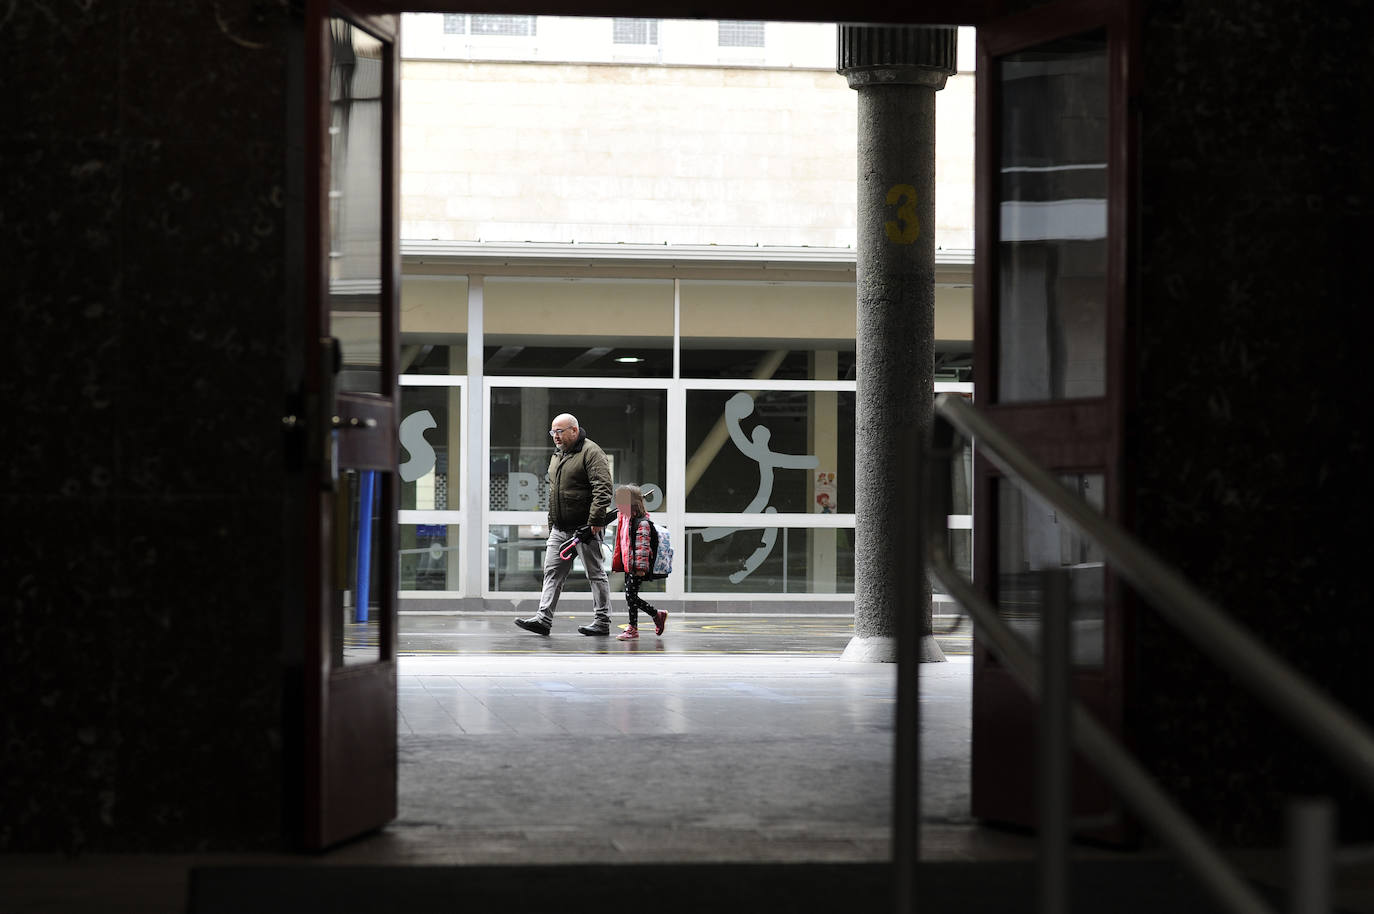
<point>629,359</point>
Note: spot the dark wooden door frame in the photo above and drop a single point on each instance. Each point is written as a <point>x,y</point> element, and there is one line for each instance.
<point>1072,435</point>
<point>349,713</point>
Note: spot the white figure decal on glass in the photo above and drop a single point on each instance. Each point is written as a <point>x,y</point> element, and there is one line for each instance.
<point>756,447</point>
<point>412,435</point>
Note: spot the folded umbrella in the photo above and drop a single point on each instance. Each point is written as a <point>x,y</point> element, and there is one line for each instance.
<point>583,534</point>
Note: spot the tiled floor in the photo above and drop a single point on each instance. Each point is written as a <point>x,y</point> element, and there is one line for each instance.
<point>714,756</point>
<point>727,738</point>
<point>735,740</point>
<point>627,696</point>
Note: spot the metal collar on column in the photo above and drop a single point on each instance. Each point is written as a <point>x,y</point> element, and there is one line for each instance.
<point>897,54</point>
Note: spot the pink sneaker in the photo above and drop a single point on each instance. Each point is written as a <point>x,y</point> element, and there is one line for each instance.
<point>629,634</point>
<point>660,620</point>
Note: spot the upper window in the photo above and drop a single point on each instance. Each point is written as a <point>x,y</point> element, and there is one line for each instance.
<point>465,24</point>
<point>635,31</point>
<point>503,25</point>
<point>734,33</point>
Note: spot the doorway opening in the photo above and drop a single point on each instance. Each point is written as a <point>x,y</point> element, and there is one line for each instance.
<point>647,223</point>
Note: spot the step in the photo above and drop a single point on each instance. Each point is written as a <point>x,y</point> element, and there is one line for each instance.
<point>1126,886</point>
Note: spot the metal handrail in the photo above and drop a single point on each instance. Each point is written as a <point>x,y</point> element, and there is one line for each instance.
<point>1116,764</point>
<point>1344,737</point>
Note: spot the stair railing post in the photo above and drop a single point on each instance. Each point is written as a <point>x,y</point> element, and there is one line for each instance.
<point>1053,797</point>
<point>1311,835</point>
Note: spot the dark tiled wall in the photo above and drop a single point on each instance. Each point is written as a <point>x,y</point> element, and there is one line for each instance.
<point>142,225</point>
<point>1250,436</point>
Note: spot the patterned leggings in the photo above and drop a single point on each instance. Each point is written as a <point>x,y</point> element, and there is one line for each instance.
<point>634,601</point>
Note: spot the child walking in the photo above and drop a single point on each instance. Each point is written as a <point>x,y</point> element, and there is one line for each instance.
<point>634,555</point>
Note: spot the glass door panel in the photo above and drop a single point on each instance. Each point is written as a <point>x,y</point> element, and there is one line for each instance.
<point>348,692</point>
<point>1030,540</point>
<point>1050,298</point>
<point>357,604</point>
<point>355,204</point>
<point>1052,221</point>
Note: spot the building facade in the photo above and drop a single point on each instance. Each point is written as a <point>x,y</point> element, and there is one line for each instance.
<point>649,224</point>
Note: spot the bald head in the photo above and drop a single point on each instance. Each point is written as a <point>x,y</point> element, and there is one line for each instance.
<point>564,429</point>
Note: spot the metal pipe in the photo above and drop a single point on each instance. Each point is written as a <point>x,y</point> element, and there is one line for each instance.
<point>1053,796</point>
<point>363,572</point>
<point>1346,739</point>
<point>1155,807</point>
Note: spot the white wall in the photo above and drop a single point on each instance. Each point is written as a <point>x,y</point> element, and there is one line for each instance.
<point>566,39</point>
<point>647,153</point>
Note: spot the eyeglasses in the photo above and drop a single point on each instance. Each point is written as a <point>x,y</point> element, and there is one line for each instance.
<point>554,433</point>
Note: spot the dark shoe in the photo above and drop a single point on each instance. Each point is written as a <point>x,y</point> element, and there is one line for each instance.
<point>660,620</point>
<point>596,628</point>
<point>534,624</point>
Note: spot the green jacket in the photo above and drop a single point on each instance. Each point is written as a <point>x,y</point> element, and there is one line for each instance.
<point>579,485</point>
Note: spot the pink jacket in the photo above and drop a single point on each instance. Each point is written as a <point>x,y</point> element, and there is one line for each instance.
<point>642,557</point>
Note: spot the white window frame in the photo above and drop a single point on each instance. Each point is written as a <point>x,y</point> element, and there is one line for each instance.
<point>475,513</point>
<point>449,517</point>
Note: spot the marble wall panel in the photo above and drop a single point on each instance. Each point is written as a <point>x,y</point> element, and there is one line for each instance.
<point>143,226</point>
<point>1248,440</point>
<point>59,228</point>
<point>59,735</point>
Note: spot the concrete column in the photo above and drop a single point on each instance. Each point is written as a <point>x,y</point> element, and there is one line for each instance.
<point>896,70</point>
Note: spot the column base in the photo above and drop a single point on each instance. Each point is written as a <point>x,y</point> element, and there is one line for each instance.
<point>930,650</point>
<point>882,649</point>
<point>877,649</point>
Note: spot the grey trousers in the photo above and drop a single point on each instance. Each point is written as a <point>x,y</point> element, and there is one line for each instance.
<point>556,571</point>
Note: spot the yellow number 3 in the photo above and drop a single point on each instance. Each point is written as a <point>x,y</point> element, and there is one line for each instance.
<point>910,227</point>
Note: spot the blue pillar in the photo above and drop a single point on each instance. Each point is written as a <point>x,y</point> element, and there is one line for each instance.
<point>367,483</point>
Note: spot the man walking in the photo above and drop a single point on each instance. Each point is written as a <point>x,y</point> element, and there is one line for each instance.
<point>579,494</point>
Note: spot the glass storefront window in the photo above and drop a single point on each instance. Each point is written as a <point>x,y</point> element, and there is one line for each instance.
<point>749,448</point>
<point>429,556</point>
<point>515,560</point>
<point>743,560</point>
<point>650,359</point>
<point>1052,250</point>
<point>791,451</point>
<point>515,563</point>
<point>629,424</point>
<point>430,437</point>
<point>429,358</point>
<point>1031,539</point>
<point>707,359</point>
